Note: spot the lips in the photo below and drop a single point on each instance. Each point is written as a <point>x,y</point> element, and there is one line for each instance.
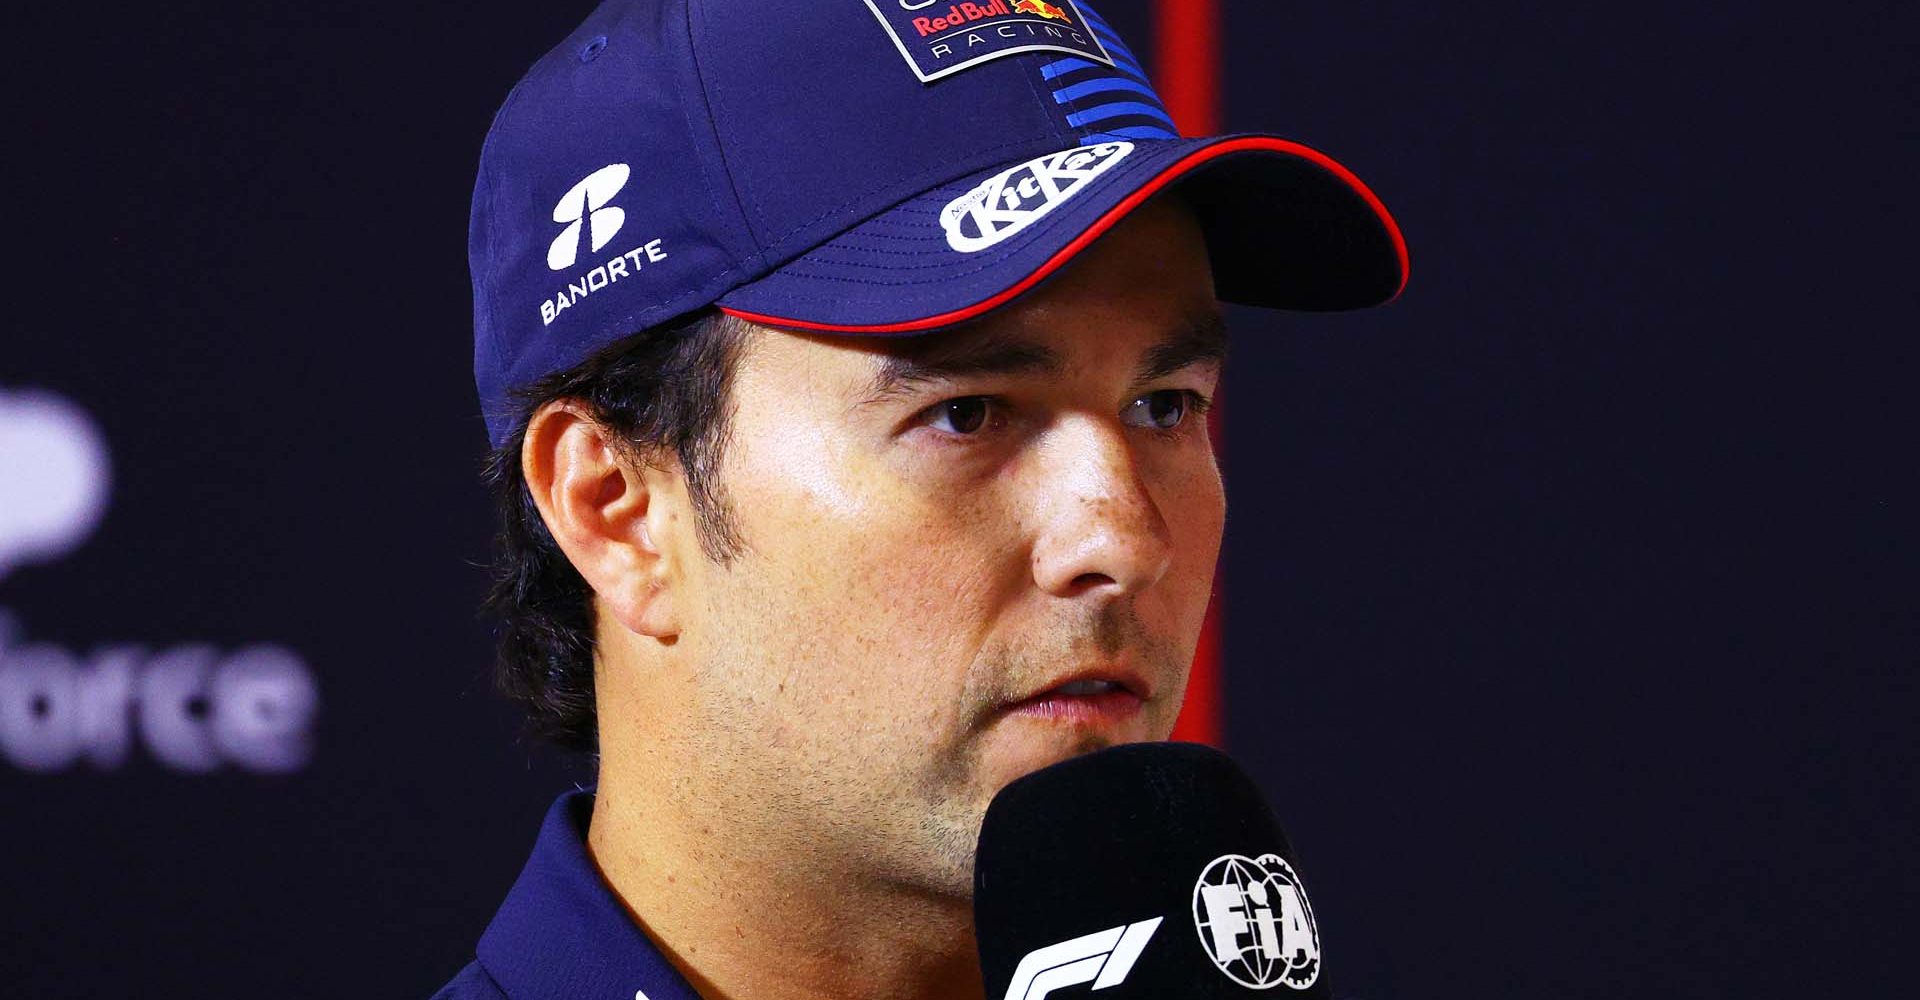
<point>1092,696</point>
<point>1094,681</point>
<point>1088,687</point>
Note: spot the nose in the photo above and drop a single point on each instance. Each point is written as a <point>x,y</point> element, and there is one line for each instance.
<point>1099,526</point>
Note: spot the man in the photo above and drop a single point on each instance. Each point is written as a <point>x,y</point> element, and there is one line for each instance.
<point>845,367</point>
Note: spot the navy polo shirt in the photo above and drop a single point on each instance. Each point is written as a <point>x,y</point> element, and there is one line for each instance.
<point>562,934</point>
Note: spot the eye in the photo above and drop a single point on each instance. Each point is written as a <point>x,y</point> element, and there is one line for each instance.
<point>1163,410</point>
<point>963,415</point>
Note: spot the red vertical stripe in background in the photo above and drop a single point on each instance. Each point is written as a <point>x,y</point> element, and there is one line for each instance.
<point>1187,74</point>
<point>1186,36</point>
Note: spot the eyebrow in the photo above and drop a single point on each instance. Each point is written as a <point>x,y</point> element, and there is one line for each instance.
<point>1200,339</point>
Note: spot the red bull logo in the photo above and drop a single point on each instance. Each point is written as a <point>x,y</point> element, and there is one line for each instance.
<point>1040,8</point>
<point>941,37</point>
<point>962,14</point>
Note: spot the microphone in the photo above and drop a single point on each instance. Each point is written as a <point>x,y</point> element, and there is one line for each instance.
<point>1149,870</point>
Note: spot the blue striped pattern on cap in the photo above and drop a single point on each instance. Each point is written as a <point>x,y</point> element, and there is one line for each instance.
<point>1115,102</point>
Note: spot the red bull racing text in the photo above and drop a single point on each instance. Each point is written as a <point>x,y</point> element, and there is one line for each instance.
<point>939,41</point>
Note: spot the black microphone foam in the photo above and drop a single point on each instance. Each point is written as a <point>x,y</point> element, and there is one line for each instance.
<point>1148,870</point>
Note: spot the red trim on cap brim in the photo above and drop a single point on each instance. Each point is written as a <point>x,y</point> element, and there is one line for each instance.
<point>1099,228</point>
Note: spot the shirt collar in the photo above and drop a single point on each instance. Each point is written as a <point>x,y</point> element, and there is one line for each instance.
<point>562,933</point>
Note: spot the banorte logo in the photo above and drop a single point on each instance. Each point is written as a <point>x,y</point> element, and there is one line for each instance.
<point>196,708</point>
<point>587,202</point>
<point>585,207</point>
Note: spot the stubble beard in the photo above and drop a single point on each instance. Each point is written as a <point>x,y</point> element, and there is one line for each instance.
<point>901,815</point>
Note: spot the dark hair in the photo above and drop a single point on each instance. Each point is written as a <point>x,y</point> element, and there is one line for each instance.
<point>665,389</point>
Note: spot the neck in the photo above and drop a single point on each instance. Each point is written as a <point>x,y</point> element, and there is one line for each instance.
<point>744,918</point>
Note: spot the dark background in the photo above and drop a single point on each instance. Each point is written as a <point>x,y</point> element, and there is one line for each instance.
<point>1571,599</point>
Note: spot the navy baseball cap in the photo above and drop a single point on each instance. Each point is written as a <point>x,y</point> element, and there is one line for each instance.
<point>861,166</point>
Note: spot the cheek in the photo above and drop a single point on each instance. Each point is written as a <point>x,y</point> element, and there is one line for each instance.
<point>863,592</point>
<point>1193,502</point>
<point>843,522</point>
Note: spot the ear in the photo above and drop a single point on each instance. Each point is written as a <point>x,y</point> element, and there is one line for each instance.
<point>607,513</point>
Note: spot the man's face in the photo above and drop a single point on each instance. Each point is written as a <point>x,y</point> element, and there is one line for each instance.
<point>939,531</point>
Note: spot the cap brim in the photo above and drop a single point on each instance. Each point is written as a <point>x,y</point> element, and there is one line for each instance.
<point>1286,227</point>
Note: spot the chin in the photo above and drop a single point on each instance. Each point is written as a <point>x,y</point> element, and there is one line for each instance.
<point>1024,749</point>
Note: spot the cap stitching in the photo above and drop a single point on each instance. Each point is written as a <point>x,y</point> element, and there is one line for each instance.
<point>1209,150</point>
<point>1140,166</point>
<point>1032,61</point>
<point>749,199</point>
<point>495,314</point>
<point>765,250</point>
<point>713,124</point>
<point>911,182</point>
<point>888,238</point>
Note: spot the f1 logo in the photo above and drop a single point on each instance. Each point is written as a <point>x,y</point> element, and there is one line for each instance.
<point>1103,958</point>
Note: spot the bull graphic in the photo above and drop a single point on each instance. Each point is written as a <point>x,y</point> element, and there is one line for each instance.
<point>1041,8</point>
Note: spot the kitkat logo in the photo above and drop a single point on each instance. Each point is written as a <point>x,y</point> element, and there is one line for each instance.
<point>1010,202</point>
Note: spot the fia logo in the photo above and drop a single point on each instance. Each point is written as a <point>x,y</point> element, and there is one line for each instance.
<point>586,202</point>
<point>1006,204</point>
<point>1255,923</point>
